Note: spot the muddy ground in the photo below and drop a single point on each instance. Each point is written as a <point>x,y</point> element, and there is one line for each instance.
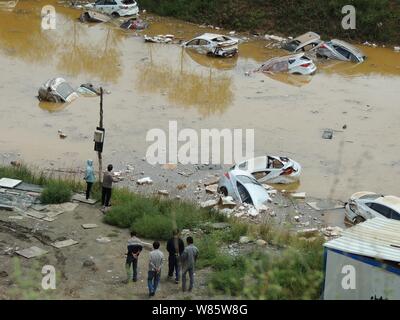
<point>101,280</point>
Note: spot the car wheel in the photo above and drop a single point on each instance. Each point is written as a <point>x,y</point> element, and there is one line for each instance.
<point>115,14</point>
<point>358,220</point>
<point>224,191</point>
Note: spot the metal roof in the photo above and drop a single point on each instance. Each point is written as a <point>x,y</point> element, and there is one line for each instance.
<point>377,238</point>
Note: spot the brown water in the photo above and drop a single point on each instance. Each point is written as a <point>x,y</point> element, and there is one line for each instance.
<point>151,84</point>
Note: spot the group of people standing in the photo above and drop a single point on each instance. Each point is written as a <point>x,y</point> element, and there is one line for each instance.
<point>179,259</point>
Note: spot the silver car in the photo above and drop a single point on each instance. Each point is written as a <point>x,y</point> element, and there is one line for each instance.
<point>305,42</point>
<point>57,90</point>
<point>244,188</point>
<point>214,44</point>
<point>366,205</point>
<point>340,50</point>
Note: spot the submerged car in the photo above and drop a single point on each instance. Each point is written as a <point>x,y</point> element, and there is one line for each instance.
<point>243,187</point>
<point>271,169</point>
<point>340,50</point>
<point>116,8</point>
<point>294,64</point>
<point>214,44</point>
<point>93,16</point>
<point>57,90</point>
<point>366,205</point>
<point>305,42</point>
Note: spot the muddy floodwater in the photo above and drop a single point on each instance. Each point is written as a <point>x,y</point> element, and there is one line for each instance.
<point>150,84</point>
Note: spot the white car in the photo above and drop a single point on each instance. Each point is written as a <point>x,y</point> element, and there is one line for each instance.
<point>214,44</point>
<point>242,187</point>
<point>366,205</point>
<point>116,8</point>
<point>340,50</point>
<point>294,64</point>
<point>57,90</point>
<point>271,169</point>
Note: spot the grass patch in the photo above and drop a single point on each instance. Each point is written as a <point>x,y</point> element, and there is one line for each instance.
<point>56,192</point>
<point>153,217</point>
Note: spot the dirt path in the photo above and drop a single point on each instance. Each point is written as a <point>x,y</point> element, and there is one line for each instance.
<point>102,280</point>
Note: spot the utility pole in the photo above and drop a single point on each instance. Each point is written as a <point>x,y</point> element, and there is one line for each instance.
<point>99,153</point>
<point>99,138</point>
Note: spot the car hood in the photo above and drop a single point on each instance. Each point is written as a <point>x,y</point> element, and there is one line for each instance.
<point>361,194</point>
<point>258,194</point>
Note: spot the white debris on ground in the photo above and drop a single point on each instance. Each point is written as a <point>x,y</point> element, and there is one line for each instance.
<point>146,180</point>
<point>397,49</point>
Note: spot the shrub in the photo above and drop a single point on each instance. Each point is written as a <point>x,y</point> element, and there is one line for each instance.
<point>56,192</point>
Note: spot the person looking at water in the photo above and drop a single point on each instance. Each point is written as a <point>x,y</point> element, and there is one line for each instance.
<point>89,178</point>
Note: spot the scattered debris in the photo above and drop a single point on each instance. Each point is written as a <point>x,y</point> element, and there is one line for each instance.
<point>6,207</point>
<point>397,49</point>
<point>261,242</point>
<point>163,192</point>
<point>64,243</point>
<point>9,183</point>
<point>327,134</point>
<point>144,181</point>
<point>31,252</point>
<point>93,16</point>
<point>209,203</point>
<point>308,232</point>
<point>103,239</point>
<point>168,38</point>
<point>298,195</point>
<point>89,226</point>
<point>82,198</point>
<point>244,240</point>
<point>134,24</point>
<point>220,225</point>
<point>213,189</point>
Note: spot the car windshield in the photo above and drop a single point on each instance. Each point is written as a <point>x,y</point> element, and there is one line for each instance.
<point>220,39</point>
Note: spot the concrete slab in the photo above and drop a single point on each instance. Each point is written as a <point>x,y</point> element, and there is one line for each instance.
<point>31,252</point>
<point>35,214</point>
<point>29,187</point>
<point>82,198</point>
<point>64,243</point>
<point>9,183</point>
<point>89,226</point>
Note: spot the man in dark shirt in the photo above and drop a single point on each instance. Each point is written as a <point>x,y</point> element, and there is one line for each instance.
<point>175,247</point>
<point>135,246</point>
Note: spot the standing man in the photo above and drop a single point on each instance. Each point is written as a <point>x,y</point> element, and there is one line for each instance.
<point>135,246</point>
<point>155,264</point>
<point>175,247</point>
<point>89,178</point>
<point>107,187</point>
<point>189,257</point>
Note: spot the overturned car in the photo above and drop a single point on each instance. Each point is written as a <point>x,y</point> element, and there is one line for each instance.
<point>294,64</point>
<point>214,45</point>
<point>243,187</point>
<point>340,50</point>
<point>57,90</point>
<point>271,169</point>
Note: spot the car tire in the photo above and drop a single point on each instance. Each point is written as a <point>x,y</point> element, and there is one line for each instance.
<point>115,15</point>
<point>224,191</point>
<point>358,220</point>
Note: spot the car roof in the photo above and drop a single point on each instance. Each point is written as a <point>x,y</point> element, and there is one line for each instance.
<point>306,37</point>
<point>392,202</point>
<point>210,36</point>
<point>348,46</point>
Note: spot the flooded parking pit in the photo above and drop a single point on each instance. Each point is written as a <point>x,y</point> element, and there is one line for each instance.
<point>151,84</point>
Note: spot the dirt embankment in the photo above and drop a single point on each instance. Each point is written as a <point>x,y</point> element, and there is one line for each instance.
<point>87,270</point>
<point>375,20</point>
